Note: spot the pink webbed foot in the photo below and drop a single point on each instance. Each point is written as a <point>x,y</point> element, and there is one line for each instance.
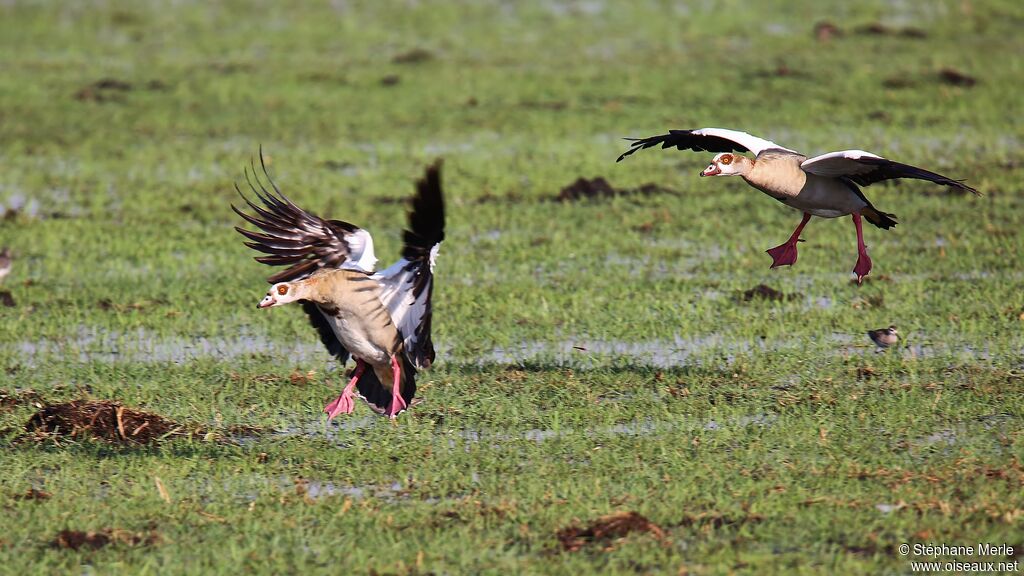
<point>783,255</point>
<point>863,265</point>
<point>397,402</point>
<point>344,404</point>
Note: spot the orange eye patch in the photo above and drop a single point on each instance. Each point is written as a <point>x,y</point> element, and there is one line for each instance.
<point>725,159</point>
<point>282,290</point>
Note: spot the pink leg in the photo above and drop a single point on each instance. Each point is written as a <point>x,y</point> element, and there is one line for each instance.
<point>397,402</point>
<point>343,403</point>
<point>863,260</point>
<point>785,253</point>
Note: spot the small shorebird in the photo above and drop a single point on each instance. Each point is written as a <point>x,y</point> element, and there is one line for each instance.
<point>824,186</point>
<point>884,337</point>
<point>381,319</point>
<point>5,262</point>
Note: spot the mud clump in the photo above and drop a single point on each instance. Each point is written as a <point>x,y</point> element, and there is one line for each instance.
<point>102,420</point>
<point>955,77</point>
<point>765,292</point>
<point>825,31</point>
<point>606,529</point>
<point>583,188</point>
<point>414,56</point>
<point>879,29</point>
<point>596,188</point>
<point>103,90</point>
<point>94,540</point>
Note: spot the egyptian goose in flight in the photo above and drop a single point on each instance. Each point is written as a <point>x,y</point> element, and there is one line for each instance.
<point>381,319</point>
<point>884,337</point>
<point>824,186</point>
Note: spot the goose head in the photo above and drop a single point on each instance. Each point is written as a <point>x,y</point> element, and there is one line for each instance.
<point>728,164</point>
<point>283,293</point>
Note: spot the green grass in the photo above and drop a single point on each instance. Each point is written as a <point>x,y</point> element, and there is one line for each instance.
<point>763,437</point>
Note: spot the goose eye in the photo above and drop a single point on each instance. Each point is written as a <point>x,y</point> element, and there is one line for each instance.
<point>282,290</point>
<point>725,160</point>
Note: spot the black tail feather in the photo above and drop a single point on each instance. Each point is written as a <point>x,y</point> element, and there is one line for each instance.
<point>878,218</point>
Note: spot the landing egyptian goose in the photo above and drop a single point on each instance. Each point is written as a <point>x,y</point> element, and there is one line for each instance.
<point>381,319</point>
<point>884,337</point>
<point>824,186</point>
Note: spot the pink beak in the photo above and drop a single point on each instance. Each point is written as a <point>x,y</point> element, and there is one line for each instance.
<point>711,171</point>
<point>265,303</point>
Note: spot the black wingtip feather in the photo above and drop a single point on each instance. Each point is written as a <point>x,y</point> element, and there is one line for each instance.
<point>427,218</point>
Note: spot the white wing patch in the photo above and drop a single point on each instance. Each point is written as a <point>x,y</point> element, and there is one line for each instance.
<point>433,255</point>
<point>407,311</point>
<point>753,143</point>
<point>842,163</point>
<point>361,257</point>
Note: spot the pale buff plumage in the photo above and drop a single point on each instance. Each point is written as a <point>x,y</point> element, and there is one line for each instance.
<point>351,303</point>
<point>779,175</point>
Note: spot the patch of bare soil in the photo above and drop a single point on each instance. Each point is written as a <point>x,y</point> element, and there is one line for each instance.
<point>765,292</point>
<point>103,90</point>
<point>7,299</point>
<point>414,56</point>
<point>879,29</point>
<point>599,187</point>
<point>954,77</point>
<point>102,420</point>
<point>606,530</point>
<point>94,540</point>
<point>825,31</point>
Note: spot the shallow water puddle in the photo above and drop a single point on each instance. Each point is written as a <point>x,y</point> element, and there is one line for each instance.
<point>635,428</point>
<point>585,352</point>
<point>91,344</point>
<point>678,352</point>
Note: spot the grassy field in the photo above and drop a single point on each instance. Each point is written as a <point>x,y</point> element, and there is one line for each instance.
<point>595,357</point>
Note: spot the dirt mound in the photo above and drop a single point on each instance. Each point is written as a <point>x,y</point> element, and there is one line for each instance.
<point>599,187</point>
<point>954,77</point>
<point>414,56</point>
<point>765,292</point>
<point>606,529</point>
<point>102,420</point>
<point>76,539</point>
